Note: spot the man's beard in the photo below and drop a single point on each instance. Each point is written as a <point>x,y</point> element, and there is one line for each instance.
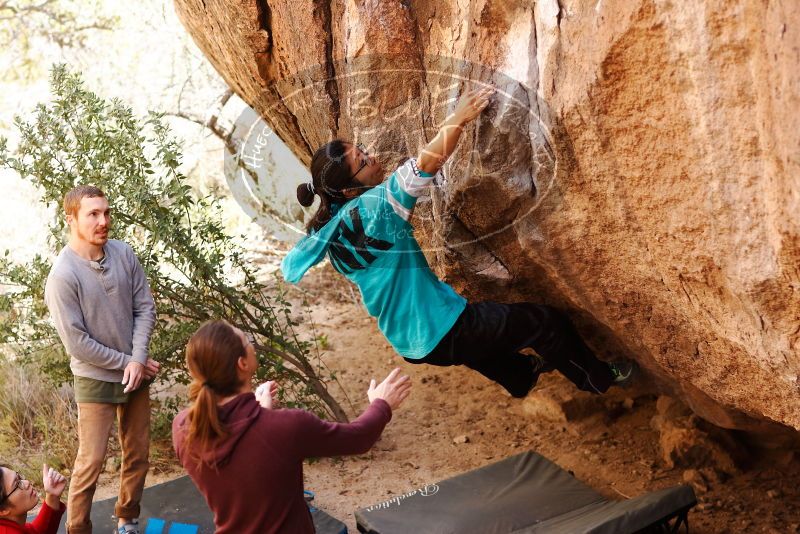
<point>93,238</point>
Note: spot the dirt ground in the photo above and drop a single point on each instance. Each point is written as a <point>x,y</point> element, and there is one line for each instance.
<point>456,420</point>
<point>614,450</point>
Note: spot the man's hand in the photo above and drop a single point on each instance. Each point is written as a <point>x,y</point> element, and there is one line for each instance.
<point>151,369</point>
<point>265,394</point>
<point>394,389</point>
<point>132,377</point>
<point>53,482</point>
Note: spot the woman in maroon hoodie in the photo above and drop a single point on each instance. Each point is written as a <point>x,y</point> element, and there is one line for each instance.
<point>18,496</point>
<point>247,458</point>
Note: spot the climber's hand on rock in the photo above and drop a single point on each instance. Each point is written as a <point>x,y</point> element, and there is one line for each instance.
<point>471,104</point>
<point>440,148</point>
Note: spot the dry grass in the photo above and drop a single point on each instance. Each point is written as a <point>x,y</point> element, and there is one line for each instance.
<point>38,423</point>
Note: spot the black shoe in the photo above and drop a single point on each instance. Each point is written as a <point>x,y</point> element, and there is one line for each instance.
<point>622,371</point>
<point>539,365</point>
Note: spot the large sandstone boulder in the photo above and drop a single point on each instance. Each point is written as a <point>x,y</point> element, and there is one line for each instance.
<point>640,165</point>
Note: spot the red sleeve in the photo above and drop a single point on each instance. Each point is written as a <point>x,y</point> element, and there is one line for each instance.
<point>315,437</point>
<point>47,521</point>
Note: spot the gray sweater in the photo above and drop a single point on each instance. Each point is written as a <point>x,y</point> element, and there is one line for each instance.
<point>104,314</point>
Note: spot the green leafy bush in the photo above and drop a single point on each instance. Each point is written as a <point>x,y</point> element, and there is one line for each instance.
<point>196,271</point>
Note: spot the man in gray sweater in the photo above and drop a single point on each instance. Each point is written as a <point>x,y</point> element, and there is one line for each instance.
<point>100,302</point>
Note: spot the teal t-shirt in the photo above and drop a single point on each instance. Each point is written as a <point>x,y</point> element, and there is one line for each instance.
<point>371,242</point>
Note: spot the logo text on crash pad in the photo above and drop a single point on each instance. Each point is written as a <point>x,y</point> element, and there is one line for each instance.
<point>425,491</point>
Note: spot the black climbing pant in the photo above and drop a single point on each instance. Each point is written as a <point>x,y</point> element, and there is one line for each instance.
<point>488,337</point>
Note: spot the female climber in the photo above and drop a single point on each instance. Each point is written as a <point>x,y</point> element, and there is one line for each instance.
<point>362,225</point>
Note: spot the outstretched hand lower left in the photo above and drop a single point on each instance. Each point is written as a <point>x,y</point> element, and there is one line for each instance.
<point>53,481</point>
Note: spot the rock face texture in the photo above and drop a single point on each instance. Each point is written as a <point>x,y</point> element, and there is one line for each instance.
<point>640,165</point>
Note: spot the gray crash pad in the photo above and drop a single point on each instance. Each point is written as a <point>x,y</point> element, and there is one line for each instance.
<point>526,493</point>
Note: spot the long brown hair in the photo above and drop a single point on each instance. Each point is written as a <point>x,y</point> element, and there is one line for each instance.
<point>211,355</point>
<point>330,174</point>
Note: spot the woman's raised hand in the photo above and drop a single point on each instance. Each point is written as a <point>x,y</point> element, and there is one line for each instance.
<point>265,394</point>
<point>53,481</point>
<point>440,148</point>
<point>394,389</point>
<point>471,104</point>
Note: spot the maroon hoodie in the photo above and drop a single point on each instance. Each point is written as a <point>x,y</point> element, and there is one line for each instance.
<point>257,485</point>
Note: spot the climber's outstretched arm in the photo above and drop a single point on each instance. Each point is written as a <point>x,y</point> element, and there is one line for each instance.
<point>439,149</point>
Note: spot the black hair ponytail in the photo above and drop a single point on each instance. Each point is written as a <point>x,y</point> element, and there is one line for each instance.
<point>305,194</point>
